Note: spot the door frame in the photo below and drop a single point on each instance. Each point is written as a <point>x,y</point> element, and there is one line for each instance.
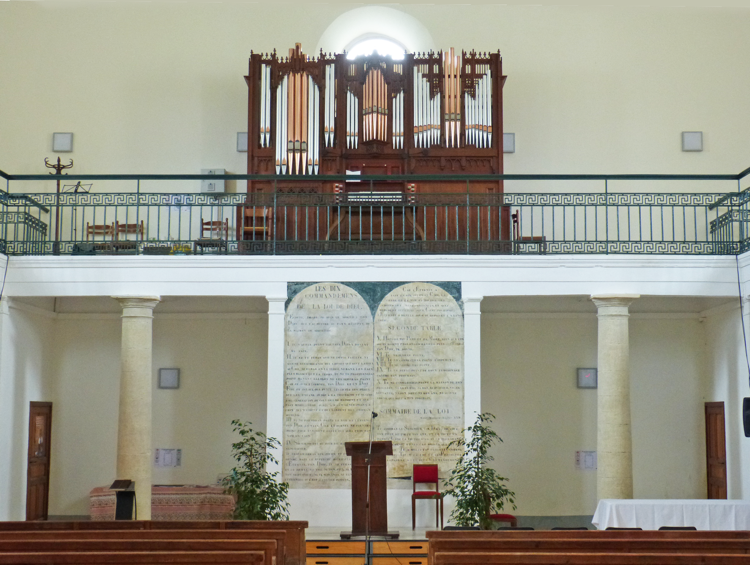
<point>715,406</point>
<point>48,433</point>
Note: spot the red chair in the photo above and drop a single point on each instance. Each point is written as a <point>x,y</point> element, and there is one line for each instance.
<point>426,474</point>
<point>505,519</point>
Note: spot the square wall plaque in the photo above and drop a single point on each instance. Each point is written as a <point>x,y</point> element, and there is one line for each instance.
<point>62,142</point>
<point>692,141</point>
<point>169,378</point>
<point>587,378</point>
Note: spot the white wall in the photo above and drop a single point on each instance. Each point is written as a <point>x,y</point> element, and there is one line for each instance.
<point>727,367</point>
<point>25,376</point>
<point>158,88</point>
<point>87,353</point>
<point>528,383</point>
<point>667,395</point>
<point>529,366</point>
<point>223,376</point>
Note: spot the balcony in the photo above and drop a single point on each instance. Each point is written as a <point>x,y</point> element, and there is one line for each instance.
<point>378,215</point>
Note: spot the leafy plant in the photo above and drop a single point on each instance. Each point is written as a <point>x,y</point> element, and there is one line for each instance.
<point>259,495</point>
<point>478,489</point>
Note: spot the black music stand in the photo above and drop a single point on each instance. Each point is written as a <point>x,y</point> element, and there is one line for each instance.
<point>77,188</point>
<point>125,499</point>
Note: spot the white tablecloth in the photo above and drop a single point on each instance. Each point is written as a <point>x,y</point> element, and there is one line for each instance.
<point>652,514</point>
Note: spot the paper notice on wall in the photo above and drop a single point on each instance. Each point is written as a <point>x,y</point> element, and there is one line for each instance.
<point>167,457</point>
<point>586,460</point>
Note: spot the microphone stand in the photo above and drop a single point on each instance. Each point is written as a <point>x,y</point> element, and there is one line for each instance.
<point>368,552</point>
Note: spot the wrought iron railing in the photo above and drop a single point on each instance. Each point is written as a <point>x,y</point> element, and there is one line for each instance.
<point>376,215</point>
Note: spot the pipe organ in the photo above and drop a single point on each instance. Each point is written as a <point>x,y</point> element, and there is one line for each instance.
<point>430,113</point>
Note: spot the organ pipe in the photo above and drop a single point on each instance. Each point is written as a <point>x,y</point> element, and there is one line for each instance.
<point>263,100</point>
<point>450,97</point>
<point>375,107</point>
<point>452,88</point>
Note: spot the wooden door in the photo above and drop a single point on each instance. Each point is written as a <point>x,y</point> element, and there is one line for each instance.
<point>37,474</point>
<point>716,451</point>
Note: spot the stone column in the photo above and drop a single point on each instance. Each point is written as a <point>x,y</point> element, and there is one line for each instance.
<point>275,384</point>
<point>614,477</point>
<point>472,359</point>
<point>134,452</point>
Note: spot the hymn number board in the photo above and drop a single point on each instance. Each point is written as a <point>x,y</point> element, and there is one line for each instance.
<point>354,348</point>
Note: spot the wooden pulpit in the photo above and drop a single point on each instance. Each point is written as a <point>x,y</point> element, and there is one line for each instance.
<point>361,455</point>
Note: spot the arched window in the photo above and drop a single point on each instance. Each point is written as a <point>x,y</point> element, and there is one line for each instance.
<point>375,23</point>
<point>382,45</point>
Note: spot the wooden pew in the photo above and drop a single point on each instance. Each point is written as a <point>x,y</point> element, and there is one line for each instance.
<point>296,549</point>
<point>294,541</point>
<point>483,558</point>
<point>278,536</point>
<point>265,548</point>
<point>590,534</point>
<point>136,558</point>
<point>466,547</point>
<point>725,546</point>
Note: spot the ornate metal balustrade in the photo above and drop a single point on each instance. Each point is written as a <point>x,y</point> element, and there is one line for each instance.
<point>367,219</point>
<point>19,228</point>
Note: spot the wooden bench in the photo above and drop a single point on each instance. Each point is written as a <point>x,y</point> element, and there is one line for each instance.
<point>289,533</point>
<point>136,558</point>
<point>278,536</point>
<point>295,535</point>
<point>586,547</point>
<point>540,535</point>
<point>482,558</point>
<point>265,548</point>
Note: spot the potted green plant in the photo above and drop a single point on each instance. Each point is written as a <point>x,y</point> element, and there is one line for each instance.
<point>258,493</point>
<point>478,489</point>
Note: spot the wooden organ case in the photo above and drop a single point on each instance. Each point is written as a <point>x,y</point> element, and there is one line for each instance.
<point>428,114</point>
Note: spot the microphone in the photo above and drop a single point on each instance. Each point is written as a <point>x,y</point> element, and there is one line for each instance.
<point>374,414</point>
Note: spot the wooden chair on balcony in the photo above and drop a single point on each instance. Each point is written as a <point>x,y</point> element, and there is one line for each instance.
<point>121,236</point>
<point>125,229</point>
<point>525,243</point>
<point>257,223</point>
<point>105,232</point>
<point>214,235</point>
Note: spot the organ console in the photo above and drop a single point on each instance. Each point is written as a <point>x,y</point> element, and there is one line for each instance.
<point>430,113</point>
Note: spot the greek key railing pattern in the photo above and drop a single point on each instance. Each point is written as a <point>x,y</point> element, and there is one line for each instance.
<point>287,222</point>
<point>307,199</point>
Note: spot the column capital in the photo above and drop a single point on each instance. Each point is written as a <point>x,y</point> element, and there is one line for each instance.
<point>472,304</point>
<point>613,300</point>
<point>138,306</point>
<point>276,304</point>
